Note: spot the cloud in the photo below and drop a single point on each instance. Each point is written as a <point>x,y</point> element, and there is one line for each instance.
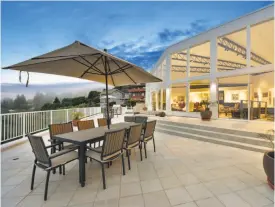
<point>195,27</point>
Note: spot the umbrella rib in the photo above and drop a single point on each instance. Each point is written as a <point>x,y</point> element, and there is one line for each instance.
<point>93,66</point>
<point>110,72</point>
<point>119,67</point>
<point>81,62</point>
<point>121,70</point>
<point>69,56</point>
<point>90,67</point>
<point>129,77</point>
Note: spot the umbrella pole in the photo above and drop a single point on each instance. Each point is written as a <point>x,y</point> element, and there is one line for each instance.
<point>107,98</point>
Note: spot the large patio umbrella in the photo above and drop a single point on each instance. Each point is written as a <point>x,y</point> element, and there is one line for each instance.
<point>82,61</point>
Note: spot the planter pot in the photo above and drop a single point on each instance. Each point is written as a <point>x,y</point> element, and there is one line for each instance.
<point>268,163</point>
<point>206,115</point>
<point>75,122</point>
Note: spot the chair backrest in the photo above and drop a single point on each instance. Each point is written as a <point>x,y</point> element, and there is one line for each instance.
<point>141,119</point>
<point>150,128</point>
<point>87,124</point>
<point>39,150</point>
<point>113,144</point>
<point>60,128</point>
<point>129,118</point>
<point>134,135</point>
<point>102,122</point>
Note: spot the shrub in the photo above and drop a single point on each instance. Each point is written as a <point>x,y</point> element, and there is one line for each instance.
<point>162,114</point>
<point>77,115</point>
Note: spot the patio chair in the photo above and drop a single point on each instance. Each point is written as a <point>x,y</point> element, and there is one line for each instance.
<point>148,135</point>
<point>129,118</point>
<point>142,120</point>
<point>86,124</point>
<point>56,129</point>
<point>112,149</point>
<point>102,122</point>
<point>48,162</point>
<point>133,140</point>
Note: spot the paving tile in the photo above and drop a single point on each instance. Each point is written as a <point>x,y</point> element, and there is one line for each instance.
<point>130,189</point>
<point>108,193</point>
<point>59,199</point>
<point>233,183</point>
<point>217,187</point>
<point>10,202</point>
<point>178,195</point>
<point>6,189</point>
<point>151,185</point>
<point>132,201</point>
<point>254,198</point>
<point>198,191</point>
<point>82,196</point>
<point>170,182</point>
<point>232,200</point>
<point>266,191</point>
<point>156,199</point>
<point>164,172</point>
<point>107,203</point>
<point>191,204</point>
<point>32,200</point>
<point>188,179</point>
<point>209,202</point>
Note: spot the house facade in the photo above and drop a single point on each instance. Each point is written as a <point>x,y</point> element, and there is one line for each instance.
<point>230,66</point>
<point>116,96</point>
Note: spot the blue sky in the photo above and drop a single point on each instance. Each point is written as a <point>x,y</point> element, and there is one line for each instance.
<point>135,31</point>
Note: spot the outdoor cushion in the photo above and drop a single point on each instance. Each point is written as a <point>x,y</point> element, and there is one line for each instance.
<point>63,159</point>
<point>97,156</point>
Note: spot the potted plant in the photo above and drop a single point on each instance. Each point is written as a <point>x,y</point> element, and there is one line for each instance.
<point>268,159</point>
<point>76,115</point>
<point>144,108</point>
<point>206,114</point>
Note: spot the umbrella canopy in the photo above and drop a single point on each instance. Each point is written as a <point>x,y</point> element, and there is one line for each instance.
<point>82,61</point>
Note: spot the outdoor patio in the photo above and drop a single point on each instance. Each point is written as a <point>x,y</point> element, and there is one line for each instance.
<point>182,172</point>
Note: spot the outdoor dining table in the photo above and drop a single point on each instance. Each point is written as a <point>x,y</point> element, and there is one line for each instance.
<point>81,138</point>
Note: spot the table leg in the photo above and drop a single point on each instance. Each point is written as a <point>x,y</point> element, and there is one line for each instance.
<point>82,158</point>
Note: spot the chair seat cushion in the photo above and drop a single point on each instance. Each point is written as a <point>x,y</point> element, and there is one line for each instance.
<point>146,139</point>
<point>64,158</point>
<point>97,155</point>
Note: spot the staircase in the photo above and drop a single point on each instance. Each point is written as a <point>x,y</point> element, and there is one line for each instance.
<point>229,137</point>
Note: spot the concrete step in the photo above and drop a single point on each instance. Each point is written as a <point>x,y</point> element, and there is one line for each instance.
<point>210,135</point>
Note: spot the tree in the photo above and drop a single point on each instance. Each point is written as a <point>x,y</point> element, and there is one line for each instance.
<point>20,103</point>
<point>79,100</point>
<point>6,105</point>
<point>93,98</point>
<point>38,101</point>
<point>56,101</point>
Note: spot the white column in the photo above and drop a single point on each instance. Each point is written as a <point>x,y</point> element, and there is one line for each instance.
<point>67,114</point>
<point>213,98</point>
<point>187,96</point>
<point>51,116</point>
<point>188,63</point>
<point>213,56</point>
<point>248,64</point>
<point>161,99</point>
<point>168,99</point>
<point>168,83</point>
<point>248,46</point>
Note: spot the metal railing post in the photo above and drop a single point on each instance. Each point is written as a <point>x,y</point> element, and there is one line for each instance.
<point>24,125</point>
<point>67,111</point>
<point>51,115</point>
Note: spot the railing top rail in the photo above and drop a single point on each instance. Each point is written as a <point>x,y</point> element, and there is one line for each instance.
<point>26,112</point>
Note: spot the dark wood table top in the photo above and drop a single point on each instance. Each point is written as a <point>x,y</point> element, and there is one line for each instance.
<point>85,136</point>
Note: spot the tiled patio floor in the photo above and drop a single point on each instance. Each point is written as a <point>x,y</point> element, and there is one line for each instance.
<point>183,173</point>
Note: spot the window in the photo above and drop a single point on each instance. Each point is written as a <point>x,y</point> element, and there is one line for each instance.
<point>178,65</point>
<point>233,97</point>
<point>178,97</point>
<point>199,91</point>
<point>200,60</point>
<point>231,51</point>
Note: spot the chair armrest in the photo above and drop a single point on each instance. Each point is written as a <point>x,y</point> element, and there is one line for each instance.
<point>62,152</point>
<point>53,145</point>
<point>93,149</point>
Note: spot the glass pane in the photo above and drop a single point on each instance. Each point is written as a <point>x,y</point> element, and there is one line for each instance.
<point>232,51</point>
<point>199,91</point>
<point>233,97</point>
<point>178,97</point>
<point>178,65</point>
